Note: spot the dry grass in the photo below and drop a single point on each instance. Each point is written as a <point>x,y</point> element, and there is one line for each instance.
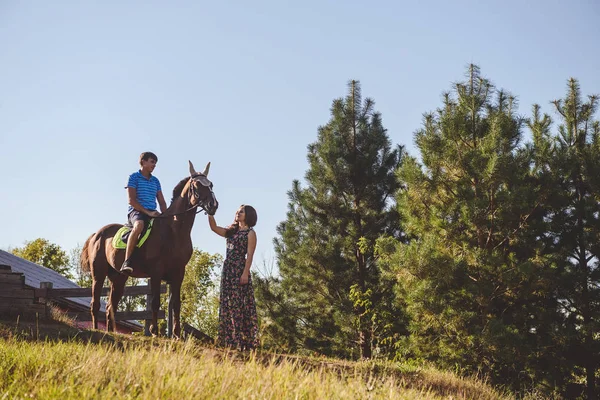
<point>74,364</point>
<point>163,369</point>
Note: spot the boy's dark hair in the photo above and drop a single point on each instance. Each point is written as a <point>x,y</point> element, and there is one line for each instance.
<point>147,155</point>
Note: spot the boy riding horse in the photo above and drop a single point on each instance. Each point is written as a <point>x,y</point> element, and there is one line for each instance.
<point>143,190</point>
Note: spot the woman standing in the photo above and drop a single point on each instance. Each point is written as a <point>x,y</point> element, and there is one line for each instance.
<point>238,323</point>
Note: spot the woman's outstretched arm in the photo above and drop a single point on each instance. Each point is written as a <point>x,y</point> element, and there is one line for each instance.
<point>213,226</point>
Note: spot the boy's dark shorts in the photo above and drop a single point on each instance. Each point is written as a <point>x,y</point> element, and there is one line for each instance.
<point>136,215</point>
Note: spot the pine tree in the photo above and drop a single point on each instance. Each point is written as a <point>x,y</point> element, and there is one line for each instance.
<point>472,276</point>
<point>331,298</point>
<point>570,163</point>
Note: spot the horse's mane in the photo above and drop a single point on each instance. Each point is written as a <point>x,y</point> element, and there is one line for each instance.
<point>179,188</point>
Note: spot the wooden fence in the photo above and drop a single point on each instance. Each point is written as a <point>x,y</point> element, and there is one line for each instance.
<point>46,291</point>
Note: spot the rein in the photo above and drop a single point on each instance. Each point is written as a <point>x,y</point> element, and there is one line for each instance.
<point>183,212</point>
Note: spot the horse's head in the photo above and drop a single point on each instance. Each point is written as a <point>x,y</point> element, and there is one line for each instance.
<point>200,191</point>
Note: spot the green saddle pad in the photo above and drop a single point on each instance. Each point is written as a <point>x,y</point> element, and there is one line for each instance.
<point>118,242</point>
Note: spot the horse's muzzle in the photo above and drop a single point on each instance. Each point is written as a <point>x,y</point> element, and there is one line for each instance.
<point>212,207</point>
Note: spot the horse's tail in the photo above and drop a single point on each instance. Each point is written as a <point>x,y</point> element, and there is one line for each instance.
<point>84,259</point>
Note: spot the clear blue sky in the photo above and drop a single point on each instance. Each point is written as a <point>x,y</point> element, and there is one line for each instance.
<point>85,87</point>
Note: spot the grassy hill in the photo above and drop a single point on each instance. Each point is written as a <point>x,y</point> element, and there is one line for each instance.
<point>51,360</point>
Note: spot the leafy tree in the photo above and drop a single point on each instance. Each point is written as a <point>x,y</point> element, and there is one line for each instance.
<point>205,317</point>
<point>47,254</point>
<point>325,247</point>
<point>83,279</point>
<point>199,292</point>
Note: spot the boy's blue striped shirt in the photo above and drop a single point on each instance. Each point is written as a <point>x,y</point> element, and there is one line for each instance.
<point>146,190</point>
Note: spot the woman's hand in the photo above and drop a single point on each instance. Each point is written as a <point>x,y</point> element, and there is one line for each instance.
<point>244,278</point>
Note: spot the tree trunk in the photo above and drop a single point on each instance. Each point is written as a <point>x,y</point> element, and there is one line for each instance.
<point>589,363</point>
<point>364,333</point>
<point>590,367</point>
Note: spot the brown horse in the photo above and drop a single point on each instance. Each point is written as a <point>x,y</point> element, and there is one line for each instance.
<point>163,256</point>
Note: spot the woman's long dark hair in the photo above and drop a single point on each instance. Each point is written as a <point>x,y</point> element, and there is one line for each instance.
<point>251,219</point>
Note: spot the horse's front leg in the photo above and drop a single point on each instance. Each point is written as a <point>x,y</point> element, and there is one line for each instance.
<point>155,289</point>
<point>175,307</point>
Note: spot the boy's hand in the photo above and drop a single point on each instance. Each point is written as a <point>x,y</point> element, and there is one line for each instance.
<point>153,213</point>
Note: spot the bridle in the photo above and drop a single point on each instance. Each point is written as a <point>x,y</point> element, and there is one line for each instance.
<point>194,192</point>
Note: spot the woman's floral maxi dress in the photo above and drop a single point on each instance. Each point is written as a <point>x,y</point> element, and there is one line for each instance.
<point>238,323</point>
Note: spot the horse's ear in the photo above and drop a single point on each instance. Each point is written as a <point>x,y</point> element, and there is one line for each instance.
<point>205,173</point>
<point>192,170</point>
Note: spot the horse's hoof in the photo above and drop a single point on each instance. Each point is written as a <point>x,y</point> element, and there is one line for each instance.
<point>153,331</point>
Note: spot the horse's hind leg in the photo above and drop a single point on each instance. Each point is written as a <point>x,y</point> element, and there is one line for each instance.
<point>117,287</point>
<point>98,269</point>
<point>97,283</point>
